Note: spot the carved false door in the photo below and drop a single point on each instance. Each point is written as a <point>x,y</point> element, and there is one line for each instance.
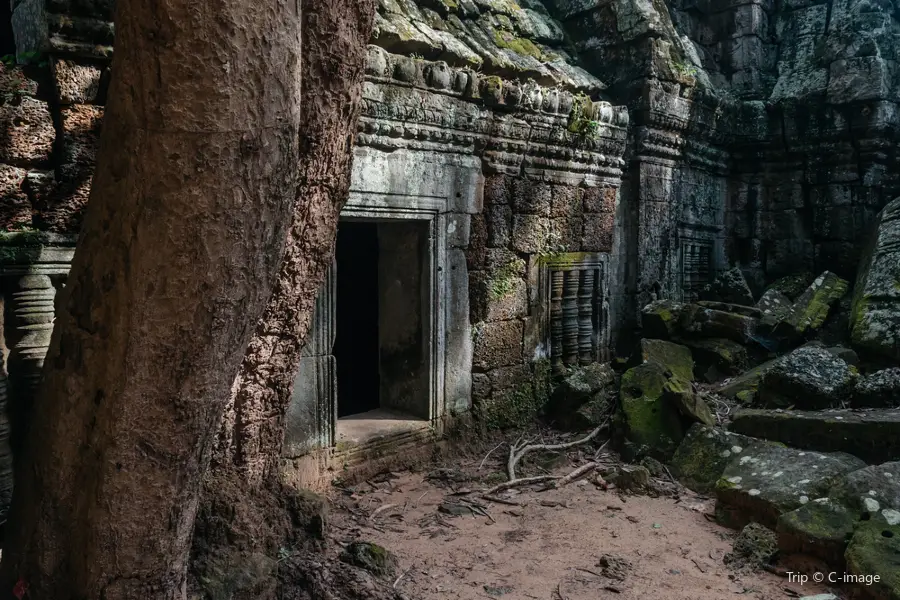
<point>311,415</point>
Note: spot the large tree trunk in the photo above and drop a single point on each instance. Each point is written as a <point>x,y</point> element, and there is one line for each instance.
<point>335,36</point>
<point>180,249</point>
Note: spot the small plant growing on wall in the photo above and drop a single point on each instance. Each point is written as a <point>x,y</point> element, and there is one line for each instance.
<point>581,119</point>
<point>504,280</point>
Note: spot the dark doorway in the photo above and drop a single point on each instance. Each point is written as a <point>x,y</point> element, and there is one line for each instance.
<point>356,339</point>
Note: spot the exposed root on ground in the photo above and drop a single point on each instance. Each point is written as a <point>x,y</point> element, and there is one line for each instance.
<point>519,449</point>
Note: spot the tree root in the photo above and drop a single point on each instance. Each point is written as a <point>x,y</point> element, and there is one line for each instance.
<point>517,450</point>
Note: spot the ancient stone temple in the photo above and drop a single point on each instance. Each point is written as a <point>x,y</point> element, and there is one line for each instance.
<point>527,177</point>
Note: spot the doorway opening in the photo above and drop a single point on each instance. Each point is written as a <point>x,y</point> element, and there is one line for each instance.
<point>356,340</point>
<point>382,326</point>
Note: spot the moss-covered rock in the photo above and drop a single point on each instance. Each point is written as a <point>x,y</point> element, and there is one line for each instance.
<point>875,550</point>
<point>692,407</point>
<point>820,528</point>
<point>811,309</point>
<point>716,358</point>
<point>371,557</point>
<point>872,435</point>
<point>704,453</point>
<point>771,480</point>
<point>744,386</point>
<point>647,421</point>
<point>875,314</point>
<point>808,377</point>
<point>660,319</point>
<point>674,358</point>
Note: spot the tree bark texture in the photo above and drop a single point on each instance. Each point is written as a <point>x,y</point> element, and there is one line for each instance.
<point>335,37</point>
<point>184,234</point>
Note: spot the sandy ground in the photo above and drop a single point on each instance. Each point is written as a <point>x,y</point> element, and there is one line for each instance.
<point>575,543</point>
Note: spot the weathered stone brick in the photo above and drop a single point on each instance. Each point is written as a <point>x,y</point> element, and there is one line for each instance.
<point>497,344</point>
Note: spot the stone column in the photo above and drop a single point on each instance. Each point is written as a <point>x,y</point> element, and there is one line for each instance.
<point>30,264</point>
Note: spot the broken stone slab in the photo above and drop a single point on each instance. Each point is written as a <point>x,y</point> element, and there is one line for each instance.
<point>729,286</point>
<point>794,285</point>
<point>660,319</point>
<point>811,309</point>
<point>674,358</point>
<point>711,323</point>
<point>873,435</point>
<point>738,309</point>
<point>808,377</point>
<point>875,314</point>
<point>745,387</point>
<point>878,389</point>
<point>692,407</point>
<point>774,304</point>
<point>583,397</point>
<point>649,423</point>
<point>823,527</point>
<point>717,358</point>
<point>762,484</point>
<point>704,453</point>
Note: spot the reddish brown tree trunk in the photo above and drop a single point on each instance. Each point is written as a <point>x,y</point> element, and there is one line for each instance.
<point>180,249</point>
<point>335,36</point>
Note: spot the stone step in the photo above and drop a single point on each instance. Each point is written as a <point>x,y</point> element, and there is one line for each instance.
<point>872,434</point>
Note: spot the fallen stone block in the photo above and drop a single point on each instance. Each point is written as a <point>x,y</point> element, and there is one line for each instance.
<point>661,319</point>
<point>649,423</point>
<point>729,286</point>
<point>808,377</point>
<point>774,305</point>
<point>771,480</point>
<point>823,527</point>
<point>872,435</point>
<point>745,387</point>
<point>704,453</point>
<point>878,389</point>
<point>811,309</point>
<point>717,358</point>
<point>674,358</point>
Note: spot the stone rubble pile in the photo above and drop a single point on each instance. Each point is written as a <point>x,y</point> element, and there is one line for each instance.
<point>808,445</point>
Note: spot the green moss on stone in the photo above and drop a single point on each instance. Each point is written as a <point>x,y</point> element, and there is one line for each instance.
<point>675,358</point>
<point>510,409</point>
<point>522,46</point>
<point>650,422</point>
<point>875,550</point>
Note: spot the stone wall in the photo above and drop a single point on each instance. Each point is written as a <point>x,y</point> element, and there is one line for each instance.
<point>657,141</point>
